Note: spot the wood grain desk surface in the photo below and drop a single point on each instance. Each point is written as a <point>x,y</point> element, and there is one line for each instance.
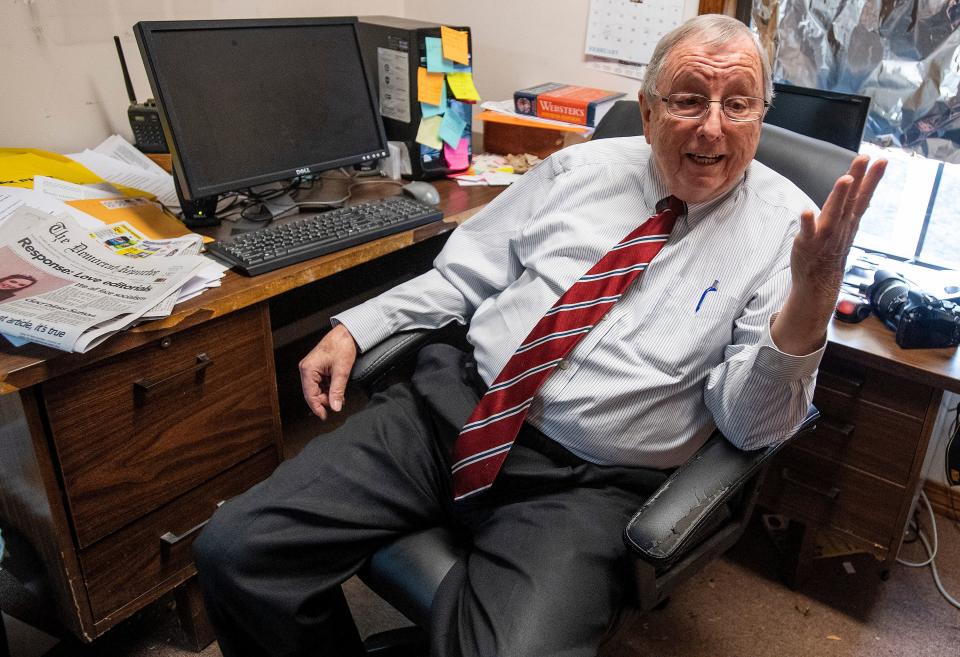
<point>32,364</point>
<point>869,342</point>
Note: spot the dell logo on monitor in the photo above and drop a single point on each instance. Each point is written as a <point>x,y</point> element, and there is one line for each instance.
<point>303,171</point>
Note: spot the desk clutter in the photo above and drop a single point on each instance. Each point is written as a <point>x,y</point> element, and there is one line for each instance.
<point>87,248</point>
<point>921,305</point>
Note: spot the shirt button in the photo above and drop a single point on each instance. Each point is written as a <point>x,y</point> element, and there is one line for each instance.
<point>563,365</point>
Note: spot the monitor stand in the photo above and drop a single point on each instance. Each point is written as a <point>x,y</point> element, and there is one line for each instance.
<point>197,213</point>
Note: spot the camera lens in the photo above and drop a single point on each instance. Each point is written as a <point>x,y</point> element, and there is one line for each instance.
<point>888,294</point>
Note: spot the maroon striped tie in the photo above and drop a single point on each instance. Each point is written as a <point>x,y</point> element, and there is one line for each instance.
<point>489,433</point>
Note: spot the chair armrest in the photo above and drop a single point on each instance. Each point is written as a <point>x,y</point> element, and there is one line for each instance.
<point>378,361</point>
<point>668,523</point>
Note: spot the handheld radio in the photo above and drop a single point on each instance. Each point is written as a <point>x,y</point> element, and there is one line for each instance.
<point>144,117</point>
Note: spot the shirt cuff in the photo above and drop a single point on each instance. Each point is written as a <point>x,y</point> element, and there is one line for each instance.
<point>366,324</point>
<point>779,365</point>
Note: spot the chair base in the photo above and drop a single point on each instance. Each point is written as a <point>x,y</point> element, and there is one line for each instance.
<point>402,642</point>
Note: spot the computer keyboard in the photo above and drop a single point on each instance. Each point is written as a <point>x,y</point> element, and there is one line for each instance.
<point>270,248</point>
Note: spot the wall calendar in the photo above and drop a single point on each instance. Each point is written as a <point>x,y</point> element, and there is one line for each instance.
<point>628,30</point>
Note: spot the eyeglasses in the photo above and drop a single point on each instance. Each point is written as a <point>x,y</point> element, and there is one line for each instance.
<point>695,106</point>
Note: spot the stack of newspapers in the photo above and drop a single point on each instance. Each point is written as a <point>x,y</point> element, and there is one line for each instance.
<point>65,287</point>
<point>70,281</point>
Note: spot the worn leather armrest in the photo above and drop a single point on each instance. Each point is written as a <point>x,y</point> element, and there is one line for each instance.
<point>668,523</point>
<point>390,354</point>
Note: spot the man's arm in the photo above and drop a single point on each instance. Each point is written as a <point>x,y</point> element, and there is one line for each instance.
<point>475,264</point>
<point>762,390</point>
<point>818,258</point>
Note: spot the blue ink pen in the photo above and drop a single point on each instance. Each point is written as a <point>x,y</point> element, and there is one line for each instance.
<point>712,288</point>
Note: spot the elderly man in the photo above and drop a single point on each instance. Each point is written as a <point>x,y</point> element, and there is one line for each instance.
<point>607,345</point>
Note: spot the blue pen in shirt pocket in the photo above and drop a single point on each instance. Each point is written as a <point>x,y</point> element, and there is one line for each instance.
<point>712,288</point>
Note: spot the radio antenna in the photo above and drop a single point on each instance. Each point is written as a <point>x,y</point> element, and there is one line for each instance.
<point>126,74</point>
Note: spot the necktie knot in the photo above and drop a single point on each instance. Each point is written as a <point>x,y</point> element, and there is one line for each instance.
<point>672,203</point>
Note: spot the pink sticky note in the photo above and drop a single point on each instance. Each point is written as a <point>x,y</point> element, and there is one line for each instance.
<point>457,158</point>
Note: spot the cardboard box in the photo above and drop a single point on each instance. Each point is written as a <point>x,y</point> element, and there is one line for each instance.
<point>506,135</point>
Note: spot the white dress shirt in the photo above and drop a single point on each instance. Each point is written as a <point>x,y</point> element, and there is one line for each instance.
<point>673,357</point>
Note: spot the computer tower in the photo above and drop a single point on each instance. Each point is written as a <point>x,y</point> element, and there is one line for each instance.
<point>393,48</point>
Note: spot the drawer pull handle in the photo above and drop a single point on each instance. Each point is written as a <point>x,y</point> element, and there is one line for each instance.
<point>842,428</point>
<point>170,540</point>
<point>856,384</point>
<point>145,387</point>
<point>830,493</point>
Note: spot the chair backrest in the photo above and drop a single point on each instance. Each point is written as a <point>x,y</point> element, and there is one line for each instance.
<point>811,164</point>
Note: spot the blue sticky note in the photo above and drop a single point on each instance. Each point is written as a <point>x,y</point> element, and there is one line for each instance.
<point>452,128</point>
<point>433,110</point>
<point>436,63</point>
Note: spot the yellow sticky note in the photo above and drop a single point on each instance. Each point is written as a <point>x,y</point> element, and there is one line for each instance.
<point>461,84</point>
<point>429,86</point>
<point>429,132</point>
<point>455,44</point>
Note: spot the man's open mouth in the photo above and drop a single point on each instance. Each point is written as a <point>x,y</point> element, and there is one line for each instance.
<point>704,159</point>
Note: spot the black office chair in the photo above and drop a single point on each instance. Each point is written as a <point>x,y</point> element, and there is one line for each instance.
<point>699,513</point>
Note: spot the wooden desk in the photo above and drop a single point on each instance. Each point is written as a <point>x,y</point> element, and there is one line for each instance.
<point>853,481</point>
<point>111,461</point>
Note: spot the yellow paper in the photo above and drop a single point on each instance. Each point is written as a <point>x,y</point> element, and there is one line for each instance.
<point>461,84</point>
<point>455,44</point>
<point>18,166</point>
<point>146,216</point>
<point>429,132</point>
<point>429,86</point>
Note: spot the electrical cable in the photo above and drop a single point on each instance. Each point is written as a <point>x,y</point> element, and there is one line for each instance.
<point>931,552</point>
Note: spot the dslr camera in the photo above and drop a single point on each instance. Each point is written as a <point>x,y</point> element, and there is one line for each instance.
<point>919,319</point>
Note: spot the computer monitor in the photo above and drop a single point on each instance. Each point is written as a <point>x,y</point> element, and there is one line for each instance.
<point>248,102</point>
<point>838,118</point>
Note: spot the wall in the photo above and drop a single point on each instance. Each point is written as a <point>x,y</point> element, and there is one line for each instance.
<point>62,87</point>
<point>63,90</point>
<point>519,44</point>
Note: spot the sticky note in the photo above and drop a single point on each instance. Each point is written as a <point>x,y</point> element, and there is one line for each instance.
<point>457,157</point>
<point>429,86</point>
<point>433,110</point>
<point>429,132</point>
<point>451,128</point>
<point>461,84</point>
<point>455,44</point>
<point>436,62</point>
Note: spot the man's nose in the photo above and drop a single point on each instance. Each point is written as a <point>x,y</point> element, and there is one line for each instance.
<point>711,124</point>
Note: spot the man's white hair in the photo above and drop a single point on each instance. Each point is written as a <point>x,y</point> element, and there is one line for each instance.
<point>710,30</point>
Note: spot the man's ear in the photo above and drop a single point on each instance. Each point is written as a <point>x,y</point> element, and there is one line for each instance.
<point>646,114</point>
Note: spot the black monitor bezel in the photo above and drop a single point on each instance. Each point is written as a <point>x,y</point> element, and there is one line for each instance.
<point>861,102</point>
<point>182,165</point>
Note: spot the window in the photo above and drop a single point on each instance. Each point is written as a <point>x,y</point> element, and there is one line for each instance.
<point>915,212</point>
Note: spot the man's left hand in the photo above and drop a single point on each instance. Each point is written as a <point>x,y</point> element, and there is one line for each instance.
<point>819,257</point>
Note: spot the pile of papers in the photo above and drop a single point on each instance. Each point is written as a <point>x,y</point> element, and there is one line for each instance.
<point>78,261</point>
<point>494,170</point>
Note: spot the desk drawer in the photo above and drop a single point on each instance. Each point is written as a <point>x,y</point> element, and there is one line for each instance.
<point>134,560</point>
<point>138,430</point>
<point>827,493</point>
<point>880,388</point>
<point>863,435</point>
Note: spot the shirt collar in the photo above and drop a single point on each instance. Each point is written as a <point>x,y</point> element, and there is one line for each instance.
<point>655,190</point>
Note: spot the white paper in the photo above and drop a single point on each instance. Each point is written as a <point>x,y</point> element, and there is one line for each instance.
<point>119,148</point>
<point>12,198</point>
<point>628,30</point>
<point>68,191</point>
<point>121,173</point>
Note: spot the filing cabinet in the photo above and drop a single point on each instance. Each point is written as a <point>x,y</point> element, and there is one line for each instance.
<point>113,469</point>
<point>857,475</point>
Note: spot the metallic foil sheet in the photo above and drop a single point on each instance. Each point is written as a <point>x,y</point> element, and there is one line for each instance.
<point>904,54</point>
